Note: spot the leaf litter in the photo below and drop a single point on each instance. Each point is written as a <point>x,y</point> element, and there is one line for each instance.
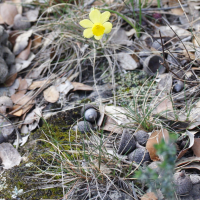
<point>56,66</point>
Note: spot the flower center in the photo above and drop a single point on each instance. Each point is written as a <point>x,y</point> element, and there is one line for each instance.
<point>98,29</point>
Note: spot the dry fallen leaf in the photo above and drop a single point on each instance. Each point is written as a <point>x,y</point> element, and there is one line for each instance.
<point>22,42</point>
<point>32,15</point>
<point>22,64</point>
<point>65,87</point>
<point>37,41</point>
<point>8,12</point>
<point>51,94</point>
<point>176,11</point>
<point>103,168</point>
<point>149,196</point>
<point>164,105</point>
<point>20,98</point>
<point>155,138</point>
<point>9,156</point>
<point>22,111</point>
<point>196,147</point>
<point>167,31</point>
<point>32,119</point>
<point>188,160</point>
<point>81,86</point>
<point>112,126</point>
<point>38,84</point>
<point>117,113</point>
<point>24,55</point>
<point>126,61</point>
<point>191,137</point>
<point>37,71</point>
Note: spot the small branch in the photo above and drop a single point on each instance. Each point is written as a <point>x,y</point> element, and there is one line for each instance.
<point>158,9</point>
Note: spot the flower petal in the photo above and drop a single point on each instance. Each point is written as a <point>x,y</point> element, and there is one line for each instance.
<point>105,16</point>
<point>86,23</point>
<point>98,37</point>
<point>87,33</point>
<point>108,27</point>
<point>95,16</point>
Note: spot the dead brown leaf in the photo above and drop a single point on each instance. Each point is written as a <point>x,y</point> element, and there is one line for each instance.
<point>184,161</point>
<point>9,156</point>
<point>191,166</point>
<point>112,126</point>
<point>22,42</point>
<point>101,2</point>
<point>18,4</point>
<point>23,85</point>
<point>10,80</point>
<point>51,94</point>
<point>26,52</point>
<point>37,41</point>
<point>191,137</point>
<point>20,98</point>
<point>81,86</point>
<point>22,111</point>
<point>38,84</point>
<point>149,196</point>
<point>155,138</point>
<point>8,12</point>
<point>176,11</point>
<point>196,147</point>
<point>32,15</point>
<point>165,105</point>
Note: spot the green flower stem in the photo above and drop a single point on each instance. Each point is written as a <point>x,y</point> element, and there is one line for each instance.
<point>123,17</point>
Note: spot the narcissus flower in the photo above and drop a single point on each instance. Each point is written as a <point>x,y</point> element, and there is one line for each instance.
<point>97,25</point>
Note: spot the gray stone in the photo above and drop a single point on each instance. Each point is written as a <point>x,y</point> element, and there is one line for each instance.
<point>127,143</point>
<point>3,36</point>
<point>3,70</point>
<point>8,56</point>
<point>21,23</point>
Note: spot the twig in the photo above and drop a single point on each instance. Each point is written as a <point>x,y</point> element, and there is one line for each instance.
<point>165,63</point>
<point>158,9</point>
<point>177,37</point>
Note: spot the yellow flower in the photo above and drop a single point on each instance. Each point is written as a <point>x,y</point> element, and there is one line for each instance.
<point>97,25</point>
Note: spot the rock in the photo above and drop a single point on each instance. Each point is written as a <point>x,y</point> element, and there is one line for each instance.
<point>5,102</point>
<point>3,36</point>
<point>142,137</point>
<point>8,56</point>
<point>183,183</point>
<point>139,155</point>
<point>127,143</point>
<point>3,70</point>
<point>21,22</point>
<point>83,126</point>
<point>178,86</point>
<point>195,179</point>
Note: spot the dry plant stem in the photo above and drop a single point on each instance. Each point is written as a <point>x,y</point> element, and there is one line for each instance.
<point>177,37</point>
<point>165,63</point>
<point>17,132</point>
<point>158,9</point>
<point>95,84</point>
<point>113,76</point>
